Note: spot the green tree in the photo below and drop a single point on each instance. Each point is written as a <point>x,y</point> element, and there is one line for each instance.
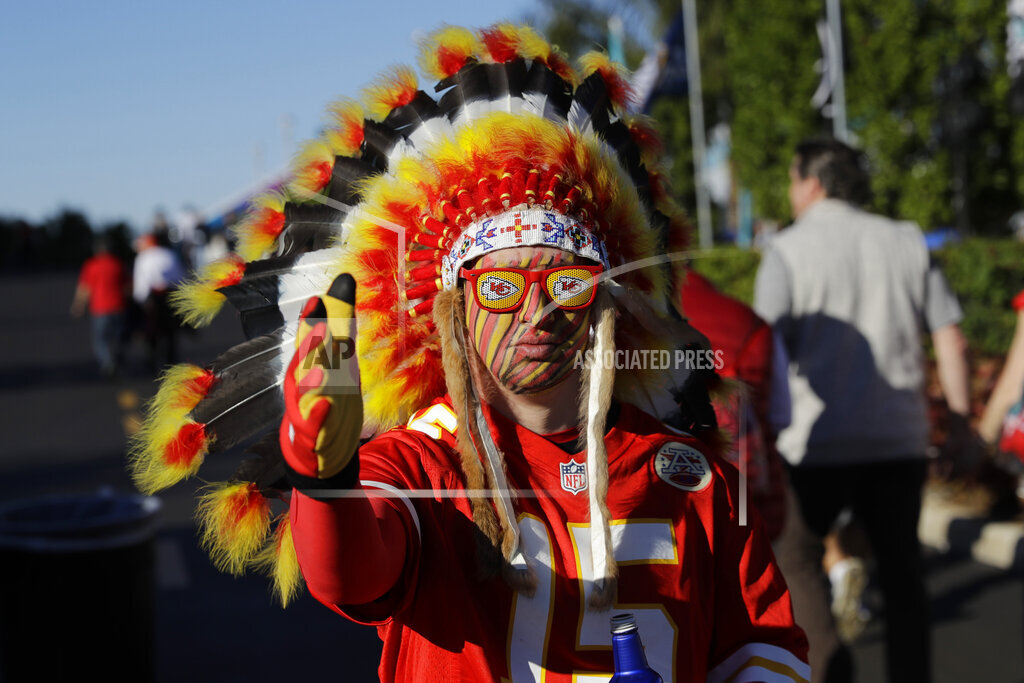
<point>927,99</point>
<point>771,47</point>
<point>927,91</point>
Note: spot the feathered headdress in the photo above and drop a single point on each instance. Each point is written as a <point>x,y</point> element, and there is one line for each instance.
<point>399,191</point>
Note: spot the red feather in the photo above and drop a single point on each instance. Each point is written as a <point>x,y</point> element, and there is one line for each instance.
<point>320,174</point>
<point>451,61</point>
<point>234,276</point>
<point>248,500</point>
<point>186,445</point>
<point>270,222</point>
<point>201,385</point>
<point>502,46</point>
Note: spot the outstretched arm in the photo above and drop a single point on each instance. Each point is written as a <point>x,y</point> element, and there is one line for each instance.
<point>1009,387</point>
<point>351,545</point>
<point>351,550</point>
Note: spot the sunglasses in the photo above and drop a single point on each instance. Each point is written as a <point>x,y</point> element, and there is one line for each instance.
<point>503,290</point>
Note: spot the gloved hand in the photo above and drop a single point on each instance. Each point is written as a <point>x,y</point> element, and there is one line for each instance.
<point>323,405</point>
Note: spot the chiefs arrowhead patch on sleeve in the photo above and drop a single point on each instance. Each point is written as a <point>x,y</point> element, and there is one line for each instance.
<point>682,466</point>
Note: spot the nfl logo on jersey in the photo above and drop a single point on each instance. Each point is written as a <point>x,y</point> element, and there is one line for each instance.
<point>574,476</point>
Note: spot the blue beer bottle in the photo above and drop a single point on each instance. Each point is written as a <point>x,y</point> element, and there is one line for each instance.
<point>630,660</point>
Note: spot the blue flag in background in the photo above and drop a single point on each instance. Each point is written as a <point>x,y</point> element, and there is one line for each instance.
<point>663,71</point>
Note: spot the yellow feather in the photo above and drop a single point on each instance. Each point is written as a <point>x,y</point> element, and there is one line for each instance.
<point>278,561</point>
<point>234,518</point>
<point>381,97</point>
<point>453,39</point>
<point>166,414</point>
<point>198,301</point>
<point>253,243</point>
<point>532,45</point>
<point>596,61</point>
<point>146,456</point>
<point>309,169</point>
<point>347,119</point>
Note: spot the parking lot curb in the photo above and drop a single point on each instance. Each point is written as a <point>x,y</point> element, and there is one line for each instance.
<point>951,527</point>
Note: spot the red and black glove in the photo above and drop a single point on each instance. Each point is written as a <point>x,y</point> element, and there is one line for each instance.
<point>322,400</point>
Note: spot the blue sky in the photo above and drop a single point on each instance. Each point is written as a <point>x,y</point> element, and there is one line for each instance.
<point>118,108</point>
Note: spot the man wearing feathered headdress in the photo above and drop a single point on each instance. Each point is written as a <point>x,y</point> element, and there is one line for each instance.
<point>465,461</point>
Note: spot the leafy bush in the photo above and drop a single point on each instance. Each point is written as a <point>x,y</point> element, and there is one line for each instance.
<point>927,94</point>
<point>984,273</point>
<point>731,268</point>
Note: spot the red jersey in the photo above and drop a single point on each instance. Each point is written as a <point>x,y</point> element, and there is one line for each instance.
<point>104,276</point>
<point>707,595</point>
<point>746,346</point>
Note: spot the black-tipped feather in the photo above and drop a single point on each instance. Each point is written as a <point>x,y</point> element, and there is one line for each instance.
<point>470,84</point>
<point>509,77</point>
<point>243,406</point>
<point>618,137</point>
<point>261,294</point>
<point>265,466</point>
<point>378,141</point>
<point>543,81</point>
<point>503,83</point>
<point>309,227</point>
<point>408,118</point>
<point>241,357</point>
<point>591,102</point>
<point>255,297</point>
<point>343,186</point>
<point>256,406</point>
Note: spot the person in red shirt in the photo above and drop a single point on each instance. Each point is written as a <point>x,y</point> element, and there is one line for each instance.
<point>102,287</point>
<point>471,450</point>
<point>709,599</point>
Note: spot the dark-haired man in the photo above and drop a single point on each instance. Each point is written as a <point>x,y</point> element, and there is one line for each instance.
<point>850,293</point>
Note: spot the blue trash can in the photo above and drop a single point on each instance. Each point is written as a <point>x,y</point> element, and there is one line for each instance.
<point>77,588</point>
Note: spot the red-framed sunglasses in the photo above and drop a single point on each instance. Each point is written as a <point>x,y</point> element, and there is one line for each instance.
<point>503,290</point>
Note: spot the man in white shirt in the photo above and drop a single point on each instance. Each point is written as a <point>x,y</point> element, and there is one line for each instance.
<point>851,293</point>
<point>157,271</point>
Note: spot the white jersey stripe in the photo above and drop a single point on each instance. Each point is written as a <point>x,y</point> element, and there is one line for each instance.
<point>740,661</point>
<point>759,674</point>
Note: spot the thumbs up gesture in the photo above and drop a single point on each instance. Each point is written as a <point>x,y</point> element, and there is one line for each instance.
<point>323,406</point>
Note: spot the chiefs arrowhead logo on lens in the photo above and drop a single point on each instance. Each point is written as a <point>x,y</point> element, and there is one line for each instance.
<point>568,286</point>
<point>496,288</point>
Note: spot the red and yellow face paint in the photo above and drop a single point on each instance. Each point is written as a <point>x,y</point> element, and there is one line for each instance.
<point>525,350</point>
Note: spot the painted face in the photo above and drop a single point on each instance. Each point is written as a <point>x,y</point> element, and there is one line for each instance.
<point>525,351</point>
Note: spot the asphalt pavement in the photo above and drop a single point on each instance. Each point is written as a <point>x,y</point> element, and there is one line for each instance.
<point>64,432</point>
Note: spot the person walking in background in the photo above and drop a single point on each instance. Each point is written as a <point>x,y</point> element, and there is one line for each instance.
<point>102,287</point>
<point>157,271</point>
<point>1002,422</point>
<point>851,293</point>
